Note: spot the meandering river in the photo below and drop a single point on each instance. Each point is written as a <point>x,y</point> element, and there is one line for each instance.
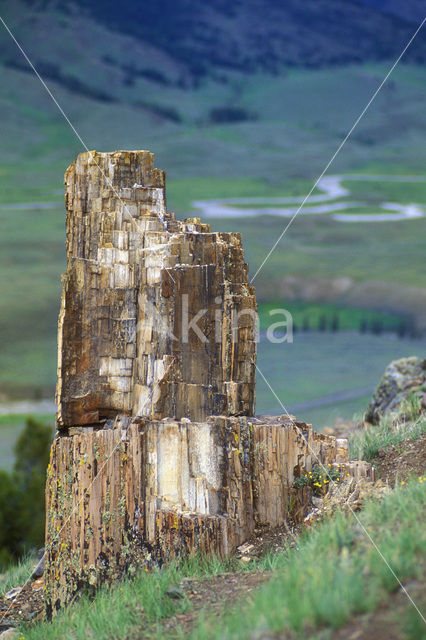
<point>332,188</point>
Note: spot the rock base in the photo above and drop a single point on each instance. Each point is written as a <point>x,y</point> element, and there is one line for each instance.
<point>140,493</point>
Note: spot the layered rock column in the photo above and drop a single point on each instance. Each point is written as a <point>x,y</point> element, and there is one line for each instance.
<point>157,451</point>
<point>135,280</point>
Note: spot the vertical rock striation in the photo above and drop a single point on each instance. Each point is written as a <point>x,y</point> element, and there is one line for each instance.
<point>134,276</point>
<point>157,452</point>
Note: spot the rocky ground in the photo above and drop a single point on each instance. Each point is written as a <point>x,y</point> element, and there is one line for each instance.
<point>21,604</point>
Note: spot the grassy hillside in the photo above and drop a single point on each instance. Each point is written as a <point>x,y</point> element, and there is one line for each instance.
<point>185,43</point>
<point>288,139</point>
<point>324,581</point>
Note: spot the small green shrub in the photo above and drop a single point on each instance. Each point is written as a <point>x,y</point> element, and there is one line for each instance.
<point>320,477</point>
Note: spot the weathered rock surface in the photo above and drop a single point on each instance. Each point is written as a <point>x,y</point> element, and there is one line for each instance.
<point>135,280</point>
<point>401,379</point>
<point>158,452</point>
<point>122,498</point>
<point>9,634</point>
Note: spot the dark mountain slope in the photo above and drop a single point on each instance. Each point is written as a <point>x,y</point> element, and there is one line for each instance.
<point>258,34</point>
<point>410,10</point>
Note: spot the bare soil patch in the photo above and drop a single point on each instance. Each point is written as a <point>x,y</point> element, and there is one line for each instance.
<point>213,595</point>
<point>399,462</point>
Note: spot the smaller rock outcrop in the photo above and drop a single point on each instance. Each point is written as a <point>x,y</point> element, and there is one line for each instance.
<point>403,379</point>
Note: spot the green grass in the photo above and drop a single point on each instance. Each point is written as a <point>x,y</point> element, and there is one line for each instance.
<point>371,209</point>
<point>182,192</point>
<point>386,191</point>
<point>366,445</point>
<point>325,376</point>
<point>319,247</point>
<point>120,610</point>
<point>333,574</point>
<point>18,574</point>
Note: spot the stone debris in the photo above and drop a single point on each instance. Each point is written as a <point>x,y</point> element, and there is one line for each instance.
<point>39,568</point>
<point>245,548</point>
<point>9,634</point>
<point>158,451</point>
<point>26,605</point>
<point>13,593</point>
<point>349,495</point>
<point>175,592</point>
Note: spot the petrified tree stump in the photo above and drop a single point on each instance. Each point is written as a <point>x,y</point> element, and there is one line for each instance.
<point>157,451</point>
<point>135,280</point>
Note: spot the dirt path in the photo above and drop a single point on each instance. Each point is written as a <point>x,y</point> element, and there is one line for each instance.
<point>213,595</point>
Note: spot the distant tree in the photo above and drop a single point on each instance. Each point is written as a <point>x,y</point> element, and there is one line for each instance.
<point>22,504</point>
<point>363,326</point>
<point>402,328</point>
<point>413,333</point>
<point>32,451</point>
<point>335,323</point>
<point>10,530</point>
<point>305,324</point>
<point>322,323</point>
<point>377,326</point>
<point>230,114</point>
